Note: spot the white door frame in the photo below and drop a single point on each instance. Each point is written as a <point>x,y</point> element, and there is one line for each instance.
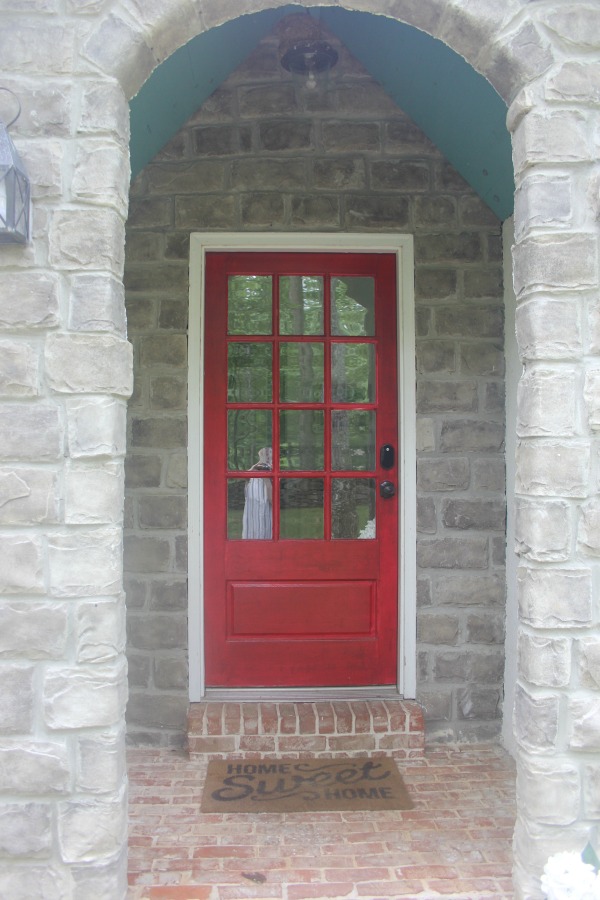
<point>402,246</point>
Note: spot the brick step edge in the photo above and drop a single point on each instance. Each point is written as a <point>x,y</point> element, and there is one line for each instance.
<point>322,728</point>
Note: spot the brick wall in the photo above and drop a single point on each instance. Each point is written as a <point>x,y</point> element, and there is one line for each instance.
<point>261,155</point>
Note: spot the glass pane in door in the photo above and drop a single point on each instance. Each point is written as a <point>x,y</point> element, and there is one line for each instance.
<point>249,372</point>
<point>301,372</point>
<point>353,508</point>
<point>301,510</point>
<point>248,433</point>
<point>352,373</point>
<point>353,439</point>
<point>249,304</point>
<point>300,304</point>
<point>353,306</point>
<point>301,439</point>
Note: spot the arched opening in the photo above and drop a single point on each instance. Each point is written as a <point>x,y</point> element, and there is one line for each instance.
<point>262,155</point>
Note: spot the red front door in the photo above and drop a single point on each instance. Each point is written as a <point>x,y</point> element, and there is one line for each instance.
<point>300,462</point>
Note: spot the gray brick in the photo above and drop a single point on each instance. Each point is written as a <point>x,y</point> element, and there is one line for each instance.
<point>481,359</point>
<point>443,474</point>
<point>168,393</point>
<point>152,631</point>
<point>168,595</point>
<point>485,628</point>
<point>426,517</point>
<point>434,211</point>
<point>470,321</point>
<point>482,514</point>
<point>164,350</point>
<point>173,313</point>
<point>142,470</point>
<point>453,553</point>
<point>266,100</point>
<point>315,211</point>
<point>339,174</point>
<point>437,628</point>
<point>369,211</point>
<point>151,432</point>
<point>157,711</point>
<point>146,554</point>
<point>265,209</point>
<point>171,674</point>
<point>469,589</point>
<point>268,174</point>
<point>162,511</point>
<point>464,247</point>
<point>435,283</point>
<point>354,136</point>
<point>212,211</point>
<point>400,176</point>
<point>286,135</point>
<point>479,703</point>
<point>446,396</point>
<point>436,357</point>
<point>216,140</point>
<point>471,435</point>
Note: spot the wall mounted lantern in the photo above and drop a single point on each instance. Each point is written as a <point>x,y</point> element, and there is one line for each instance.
<point>15,188</point>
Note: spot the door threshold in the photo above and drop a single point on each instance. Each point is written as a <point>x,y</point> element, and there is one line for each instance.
<point>300,695</point>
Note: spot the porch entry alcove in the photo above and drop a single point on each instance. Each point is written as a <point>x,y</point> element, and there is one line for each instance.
<point>302,491</point>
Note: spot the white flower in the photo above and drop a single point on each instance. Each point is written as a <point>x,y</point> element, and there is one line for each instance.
<point>368,532</point>
<point>567,877</point>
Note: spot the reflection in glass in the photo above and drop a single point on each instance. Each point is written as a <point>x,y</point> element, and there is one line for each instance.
<point>301,439</point>
<point>249,372</point>
<point>353,439</point>
<point>250,509</point>
<point>248,431</point>
<point>301,372</point>
<point>236,499</point>
<point>249,304</point>
<point>353,306</point>
<point>300,304</point>
<point>353,508</point>
<point>352,373</point>
<point>301,503</point>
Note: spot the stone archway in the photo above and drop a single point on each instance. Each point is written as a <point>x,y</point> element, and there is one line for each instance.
<point>65,304</point>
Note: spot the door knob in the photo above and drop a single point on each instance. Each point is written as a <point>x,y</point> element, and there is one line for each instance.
<point>387,490</point>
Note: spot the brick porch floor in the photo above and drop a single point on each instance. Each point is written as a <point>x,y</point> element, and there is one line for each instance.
<point>456,843</point>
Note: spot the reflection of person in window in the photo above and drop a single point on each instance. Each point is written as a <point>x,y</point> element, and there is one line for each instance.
<point>257,523</point>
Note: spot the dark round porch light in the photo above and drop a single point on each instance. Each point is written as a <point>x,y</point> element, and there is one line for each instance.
<point>310,60</point>
<point>14,188</point>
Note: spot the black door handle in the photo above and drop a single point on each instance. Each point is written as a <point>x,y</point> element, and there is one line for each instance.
<point>387,490</point>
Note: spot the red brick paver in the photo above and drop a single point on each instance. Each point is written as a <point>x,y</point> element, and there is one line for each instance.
<point>455,843</point>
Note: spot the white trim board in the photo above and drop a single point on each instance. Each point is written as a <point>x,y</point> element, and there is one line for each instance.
<point>402,246</point>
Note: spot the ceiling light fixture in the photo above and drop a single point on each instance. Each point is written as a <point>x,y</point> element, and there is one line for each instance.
<point>310,59</point>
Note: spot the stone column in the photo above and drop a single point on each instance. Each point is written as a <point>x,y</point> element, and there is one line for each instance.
<point>556,277</point>
<point>65,374</point>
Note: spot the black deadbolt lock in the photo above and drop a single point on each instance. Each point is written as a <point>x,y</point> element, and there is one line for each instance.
<point>386,456</point>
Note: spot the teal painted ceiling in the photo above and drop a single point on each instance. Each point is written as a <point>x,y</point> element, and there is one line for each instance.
<point>455,106</point>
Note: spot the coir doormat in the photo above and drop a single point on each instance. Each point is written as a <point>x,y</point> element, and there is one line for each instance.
<point>303,785</point>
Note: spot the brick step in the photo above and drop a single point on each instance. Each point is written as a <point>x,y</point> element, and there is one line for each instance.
<point>323,728</point>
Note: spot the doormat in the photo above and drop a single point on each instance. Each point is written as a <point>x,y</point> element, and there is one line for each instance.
<point>303,785</point>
